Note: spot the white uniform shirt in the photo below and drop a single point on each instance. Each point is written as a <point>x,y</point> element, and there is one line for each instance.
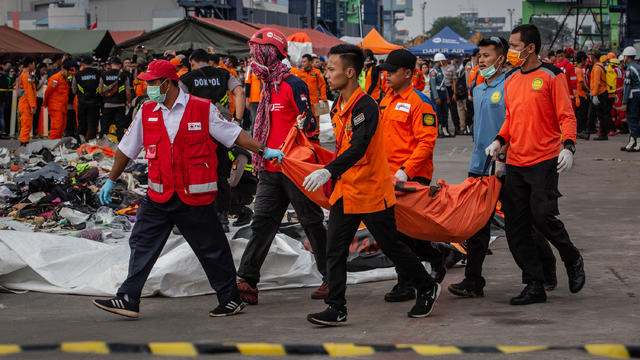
<point>224,131</point>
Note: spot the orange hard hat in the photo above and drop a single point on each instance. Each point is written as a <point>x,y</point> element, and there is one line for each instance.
<point>611,55</point>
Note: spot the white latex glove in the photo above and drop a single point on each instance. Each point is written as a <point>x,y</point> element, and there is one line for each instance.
<point>493,149</point>
<point>565,160</point>
<point>595,100</point>
<point>499,168</point>
<point>316,179</point>
<point>401,175</point>
<point>300,120</point>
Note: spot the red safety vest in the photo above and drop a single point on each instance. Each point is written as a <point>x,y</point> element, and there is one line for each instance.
<point>189,165</point>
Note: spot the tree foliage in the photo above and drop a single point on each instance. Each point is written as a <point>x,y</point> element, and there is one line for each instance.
<point>548,27</point>
<point>454,22</point>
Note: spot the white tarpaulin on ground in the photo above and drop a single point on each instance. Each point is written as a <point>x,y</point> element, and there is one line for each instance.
<point>51,263</point>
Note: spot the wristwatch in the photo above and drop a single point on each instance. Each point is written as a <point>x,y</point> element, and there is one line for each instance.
<point>263,147</point>
<point>237,121</point>
<point>570,147</point>
<point>502,157</point>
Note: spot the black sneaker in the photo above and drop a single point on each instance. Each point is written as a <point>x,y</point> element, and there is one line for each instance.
<point>550,279</point>
<point>233,307</point>
<point>400,293</point>
<point>329,317</point>
<point>118,305</point>
<point>576,275</point>
<point>425,302</point>
<point>532,293</point>
<point>466,288</point>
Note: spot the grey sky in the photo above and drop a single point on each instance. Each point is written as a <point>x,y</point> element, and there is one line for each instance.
<point>438,8</point>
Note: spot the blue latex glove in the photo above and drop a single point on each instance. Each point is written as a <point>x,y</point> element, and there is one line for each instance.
<point>103,195</point>
<point>272,154</point>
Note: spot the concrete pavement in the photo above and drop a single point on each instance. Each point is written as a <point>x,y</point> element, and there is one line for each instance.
<point>599,209</point>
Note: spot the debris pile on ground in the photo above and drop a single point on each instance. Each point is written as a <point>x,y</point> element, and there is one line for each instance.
<point>53,185</point>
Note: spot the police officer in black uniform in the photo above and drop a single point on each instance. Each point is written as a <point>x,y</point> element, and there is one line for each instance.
<point>215,83</point>
<point>116,91</point>
<point>85,86</point>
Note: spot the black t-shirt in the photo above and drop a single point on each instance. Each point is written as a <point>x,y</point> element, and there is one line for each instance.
<point>208,83</point>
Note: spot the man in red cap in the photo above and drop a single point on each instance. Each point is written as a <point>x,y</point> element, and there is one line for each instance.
<point>177,132</point>
<point>283,103</point>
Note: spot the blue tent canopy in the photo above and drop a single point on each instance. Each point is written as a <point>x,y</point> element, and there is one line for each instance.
<point>324,30</point>
<point>446,42</point>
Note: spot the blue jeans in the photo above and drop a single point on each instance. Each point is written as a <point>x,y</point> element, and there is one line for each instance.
<point>633,115</point>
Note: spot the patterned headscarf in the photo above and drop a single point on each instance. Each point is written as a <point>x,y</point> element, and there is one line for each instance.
<point>269,68</point>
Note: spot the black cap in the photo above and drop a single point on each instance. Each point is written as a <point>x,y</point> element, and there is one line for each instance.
<point>399,59</point>
<point>86,60</point>
<point>115,60</point>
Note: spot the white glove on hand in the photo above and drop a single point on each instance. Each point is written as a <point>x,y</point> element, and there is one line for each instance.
<point>300,120</point>
<point>499,168</point>
<point>595,100</point>
<point>493,149</point>
<point>316,179</point>
<point>401,175</point>
<point>565,160</point>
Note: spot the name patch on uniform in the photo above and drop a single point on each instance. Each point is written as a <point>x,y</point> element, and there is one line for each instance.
<point>153,119</point>
<point>303,98</point>
<point>428,120</point>
<point>358,119</point>
<point>194,126</point>
<point>405,107</point>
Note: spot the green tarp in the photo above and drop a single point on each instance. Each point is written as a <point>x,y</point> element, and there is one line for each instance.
<point>186,35</point>
<point>76,42</point>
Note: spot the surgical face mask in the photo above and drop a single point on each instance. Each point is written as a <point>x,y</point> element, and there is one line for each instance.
<point>489,71</point>
<point>514,57</point>
<point>154,93</point>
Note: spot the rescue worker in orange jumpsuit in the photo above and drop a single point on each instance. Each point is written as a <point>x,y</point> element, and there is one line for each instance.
<point>410,129</point>
<point>56,99</point>
<point>363,191</point>
<point>316,84</point>
<point>27,104</point>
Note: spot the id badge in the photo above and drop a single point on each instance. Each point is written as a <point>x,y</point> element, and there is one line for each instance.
<point>151,152</point>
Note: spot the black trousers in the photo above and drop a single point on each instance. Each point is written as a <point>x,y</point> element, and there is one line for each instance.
<point>531,200</point>
<point>382,225</point>
<point>200,229</point>
<point>113,116</point>
<point>602,113</point>
<point>442,111</point>
<point>478,244</point>
<point>223,200</point>
<point>275,192</point>
<point>582,115</point>
<point>88,115</point>
<point>72,125</point>
<point>36,116</point>
<point>453,108</point>
<point>424,250</point>
<point>469,114</point>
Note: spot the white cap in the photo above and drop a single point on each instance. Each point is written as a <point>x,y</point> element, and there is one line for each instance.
<point>629,51</point>
<point>439,57</point>
<point>621,58</point>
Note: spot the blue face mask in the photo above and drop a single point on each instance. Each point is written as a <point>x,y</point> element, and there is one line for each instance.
<point>154,93</point>
<point>489,71</point>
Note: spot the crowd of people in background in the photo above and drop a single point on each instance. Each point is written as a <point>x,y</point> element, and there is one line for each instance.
<point>96,107</point>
